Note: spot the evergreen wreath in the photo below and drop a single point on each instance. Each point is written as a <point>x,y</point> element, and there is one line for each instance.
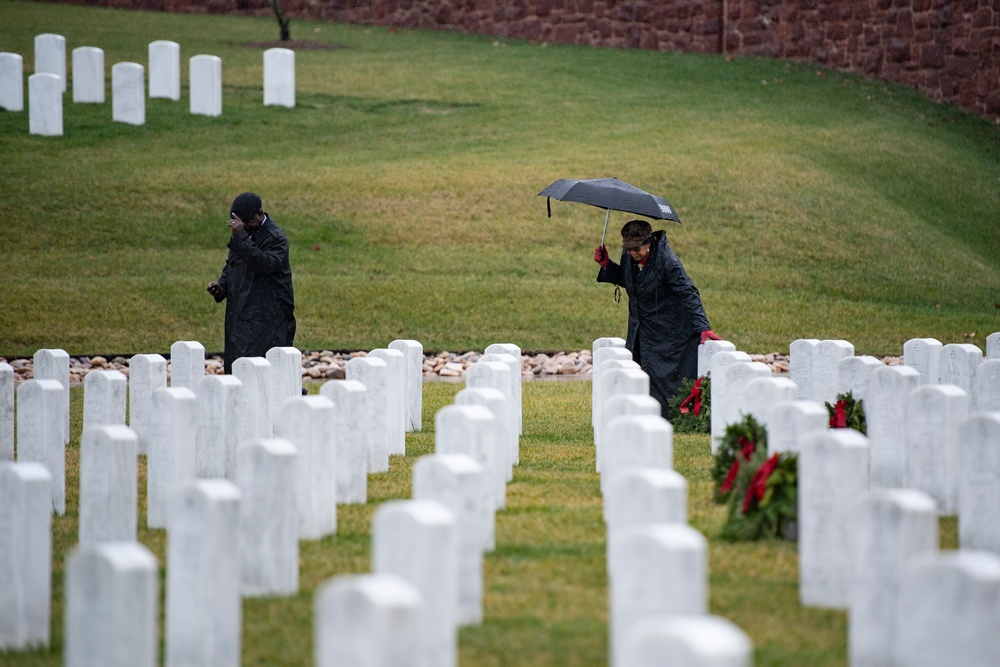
<point>847,412</point>
<point>760,491</point>
<point>690,411</point>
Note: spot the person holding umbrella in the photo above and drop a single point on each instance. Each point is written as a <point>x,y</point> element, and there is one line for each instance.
<point>666,319</point>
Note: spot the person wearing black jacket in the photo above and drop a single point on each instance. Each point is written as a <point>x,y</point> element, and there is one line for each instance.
<point>666,319</point>
<point>256,283</point>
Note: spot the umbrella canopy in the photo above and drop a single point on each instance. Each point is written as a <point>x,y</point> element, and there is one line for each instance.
<point>611,194</point>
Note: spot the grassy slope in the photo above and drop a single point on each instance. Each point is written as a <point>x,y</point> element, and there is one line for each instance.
<point>815,204</point>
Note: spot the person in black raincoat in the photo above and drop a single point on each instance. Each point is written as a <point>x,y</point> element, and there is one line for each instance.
<point>256,284</point>
<point>666,319</point>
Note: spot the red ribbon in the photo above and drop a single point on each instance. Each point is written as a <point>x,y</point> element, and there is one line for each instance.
<point>839,418</point>
<point>758,485</point>
<point>695,396</point>
<point>748,448</point>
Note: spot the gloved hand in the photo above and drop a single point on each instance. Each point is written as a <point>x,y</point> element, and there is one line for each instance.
<point>601,256</point>
<point>708,334</point>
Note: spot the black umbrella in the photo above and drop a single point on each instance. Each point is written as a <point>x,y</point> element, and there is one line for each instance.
<point>611,194</point>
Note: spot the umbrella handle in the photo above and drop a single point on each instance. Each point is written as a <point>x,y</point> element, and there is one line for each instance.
<point>606,218</point>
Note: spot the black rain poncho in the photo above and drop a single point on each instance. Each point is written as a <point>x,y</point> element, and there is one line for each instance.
<point>260,305</point>
<point>665,317</point>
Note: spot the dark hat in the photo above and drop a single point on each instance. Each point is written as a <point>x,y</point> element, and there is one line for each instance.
<point>246,206</point>
<point>635,233</point>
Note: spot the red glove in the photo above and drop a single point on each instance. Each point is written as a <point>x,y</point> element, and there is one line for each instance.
<point>601,256</point>
<point>708,334</point>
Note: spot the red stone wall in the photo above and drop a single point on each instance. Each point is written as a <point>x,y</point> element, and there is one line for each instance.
<point>948,49</point>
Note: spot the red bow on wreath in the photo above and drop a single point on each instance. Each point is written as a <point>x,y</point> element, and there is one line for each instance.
<point>758,485</point>
<point>695,396</point>
<point>748,448</point>
<point>839,418</point>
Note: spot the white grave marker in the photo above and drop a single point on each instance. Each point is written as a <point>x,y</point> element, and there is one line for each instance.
<point>502,471</point>
<point>636,441</point>
<point>45,110</point>
<point>979,483</point>
<point>931,462</point>
<point>854,375</point>
<point>105,394</point>
<point>173,437</point>
<point>826,364</point>
<point>203,606</point>
<point>496,375</point>
<point>54,365</point>
<point>206,85</point>
<point>6,412</point>
<point>25,555</point>
<point>639,496</point>
<point>374,375</point>
<point>395,362</point>
<point>885,413</point>
<point>108,488</point>
<point>187,364</point>
<point>761,394</point>
<point>515,372</point>
<point>721,362</point>
<point>40,433</point>
<point>256,375</point>
<point>993,346</point>
<point>833,473</point>
<point>50,57</point>
<point>350,441</point>
<point>624,404</point>
<point>790,423</point>
<point>617,382</point>
<point>413,353</point>
<point>709,349</point>
<point>800,366</point>
<point>733,391</point>
<point>986,387</point>
<point>111,606</point>
<point>470,429</point>
<point>88,75</point>
<point>11,82</point>
<point>309,425</point>
<point>269,536</point>
<point>165,70</point>
<point>923,354</point>
<point>602,354</point>
<point>218,425</point>
<point>279,78</point>
<point>286,380</point>
<point>147,373</point>
<point>957,364</point>
<point>691,641</point>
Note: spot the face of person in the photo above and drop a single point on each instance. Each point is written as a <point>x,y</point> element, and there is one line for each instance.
<point>254,223</point>
<point>641,253</point>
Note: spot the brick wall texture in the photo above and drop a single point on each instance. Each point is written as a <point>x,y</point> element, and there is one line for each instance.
<point>947,49</point>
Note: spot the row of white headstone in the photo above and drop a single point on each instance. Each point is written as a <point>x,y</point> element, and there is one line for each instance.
<point>47,85</point>
<point>657,563</point>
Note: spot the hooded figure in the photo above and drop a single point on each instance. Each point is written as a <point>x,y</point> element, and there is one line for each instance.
<point>666,320</point>
<point>256,282</point>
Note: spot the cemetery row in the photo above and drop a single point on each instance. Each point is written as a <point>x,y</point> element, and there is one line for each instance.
<point>240,468</point>
<point>868,506</point>
<point>128,82</point>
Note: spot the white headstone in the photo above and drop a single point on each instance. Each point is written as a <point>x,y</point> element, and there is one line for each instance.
<point>269,536</point>
<point>986,387</point>
<point>374,375</point>
<point>128,93</point>
<point>789,423</point>
<point>203,609</point>
<point>625,404</point>
<point>350,428</point>
<point>979,483</point>
<point>515,373</point>
<point>45,110</point>
<point>6,412</point>
<point>691,641</point>
<point>147,373</point>
<point>206,85</point>
<point>165,70</point>
<point>108,488</point>
<point>413,354</point>
<point>957,364</point>
<point>187,364</point>
<point>854,375</point>
<point>218,425</point>
<point>50,57</point>
<point>368,620</point>
<point>496,375</point>
<point>457,481</point>
<point>922,354</point>
<point>733,391</point>
<point>889,528</point>
<point>279,78</point>
<point>826,364</point>
<point>644,495</point>
<point>11,82</point>
<point>606,341</point>
<point>800,366</point>
<point>636,441</point>
<point>395,363</point>
<point>105,394</point>
<point>173,437</point>
<point>885,415</point>
<point>309,425</point>
<point>833,473</point>
<point>54,365</point>
<point>721,362</point>
<point>256,375</point>
<point>470,429</point>
<point>709,349</point>
<point>502,471</point>
<point>948,611</point>
<point>617,382</point>
<point>416,540</point>
<point>88,75</point>
<point>286,381</point>
<point>602,354</point>
<point>761,394</point>
<point>25,555</point>
<point>40,433</point>
<point>659,570</point>
<point>932,450</point>
<point>111,606</point>
<point>993,346</point>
